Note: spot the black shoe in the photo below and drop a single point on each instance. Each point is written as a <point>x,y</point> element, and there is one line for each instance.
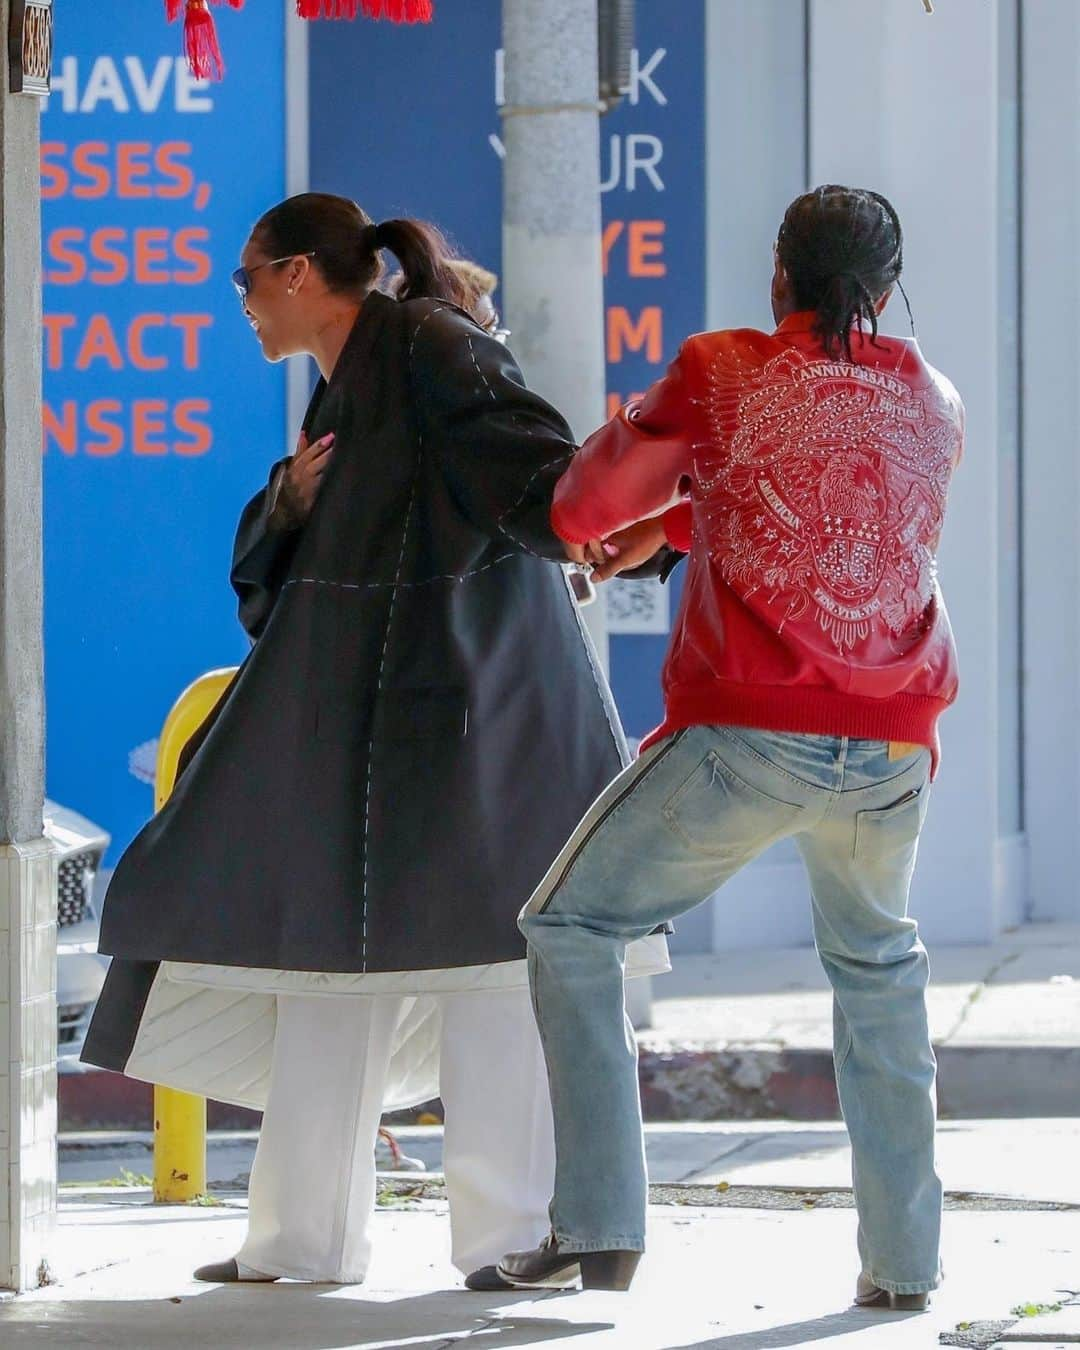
<point>545,1267</point>
<point>868,1295</point>
<point>228,1272</point>
<point>486,1280</point>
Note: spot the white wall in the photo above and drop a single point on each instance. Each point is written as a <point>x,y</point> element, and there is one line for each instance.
<point>882,95</point>
<point>1051,426</point>
<point>908,103</point>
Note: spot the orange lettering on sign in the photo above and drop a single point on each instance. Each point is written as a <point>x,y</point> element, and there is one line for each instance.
<point>136,351</point>
<point>185,247</point>
<point>54,177</point>
<point>84,162</point>
<point>55,326</point>
<point>148,419</point>
<point>646,244</point>
<point>99,344</point>
<point>185,415</point>
<point>132,166</point>
<point>58,249</point>
<point>98,416</point>
<point>608,239</point>
<point>191,325</point>
<point>64,432</point>
<point>103,249</point>
<point>178,175</point>
<point>646,333</point>
<point>150,251</point>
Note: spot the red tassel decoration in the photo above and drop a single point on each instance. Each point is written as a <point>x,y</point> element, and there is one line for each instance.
<point>172,9</point>
<point>397,11</point>
<point>201,42</point>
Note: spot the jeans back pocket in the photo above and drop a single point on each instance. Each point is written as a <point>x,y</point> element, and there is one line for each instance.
<point>717,811</point>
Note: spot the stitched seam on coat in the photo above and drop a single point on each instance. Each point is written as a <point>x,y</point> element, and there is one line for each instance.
<point>483,378</point>
<point>500,526</point>
<point>394,585</point>
<point>416,331</point>
<point>586,642</point>
<point>378,691</point>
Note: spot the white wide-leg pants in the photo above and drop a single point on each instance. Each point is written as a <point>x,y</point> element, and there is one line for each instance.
<point>312,1187</point>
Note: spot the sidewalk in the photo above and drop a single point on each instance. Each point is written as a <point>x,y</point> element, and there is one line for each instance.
<point>759,1252</point>
<point>749,1035</point>
<point>1033,1160</point>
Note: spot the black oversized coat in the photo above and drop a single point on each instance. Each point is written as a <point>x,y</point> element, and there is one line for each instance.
<point>420,723</point>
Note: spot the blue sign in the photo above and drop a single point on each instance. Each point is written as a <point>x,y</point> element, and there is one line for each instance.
<point>161,415</point>
<point>404,120</point>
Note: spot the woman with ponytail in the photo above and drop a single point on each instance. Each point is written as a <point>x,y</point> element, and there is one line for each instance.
<point>806,471</point>
<point>321,923</point>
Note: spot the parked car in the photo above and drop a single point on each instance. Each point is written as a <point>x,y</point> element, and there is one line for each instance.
<point>80,971</point>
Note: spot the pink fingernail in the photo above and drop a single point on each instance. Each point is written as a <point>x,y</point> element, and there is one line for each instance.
<point>611,550</point>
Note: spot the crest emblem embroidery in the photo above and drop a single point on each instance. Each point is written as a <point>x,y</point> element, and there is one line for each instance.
<point>824,485</point>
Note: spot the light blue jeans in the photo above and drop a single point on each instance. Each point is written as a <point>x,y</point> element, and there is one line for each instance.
<point>672,828</point>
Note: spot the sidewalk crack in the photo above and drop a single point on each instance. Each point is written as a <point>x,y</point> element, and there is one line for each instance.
<point>976,994</point>
<point>715,1163</point>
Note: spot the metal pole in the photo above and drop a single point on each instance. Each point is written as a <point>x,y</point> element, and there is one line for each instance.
<point>27,867</point>
<point>552,274</point>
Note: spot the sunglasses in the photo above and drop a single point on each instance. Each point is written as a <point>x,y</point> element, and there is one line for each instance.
<point>241,278</point>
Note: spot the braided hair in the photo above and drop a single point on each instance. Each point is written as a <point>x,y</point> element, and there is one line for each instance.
<point>842,248</point>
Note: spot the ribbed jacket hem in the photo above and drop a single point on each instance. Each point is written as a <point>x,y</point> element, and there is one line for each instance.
<point>809,710</point>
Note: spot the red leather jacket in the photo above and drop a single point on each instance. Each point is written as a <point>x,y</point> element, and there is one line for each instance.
<point>810,493</point>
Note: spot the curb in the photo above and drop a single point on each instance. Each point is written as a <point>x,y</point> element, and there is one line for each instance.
<point>768,1082</point>
<point>702,1082</point>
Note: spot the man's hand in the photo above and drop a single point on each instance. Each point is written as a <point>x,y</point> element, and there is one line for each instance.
<point>630,548</point>
<point>304,475</point>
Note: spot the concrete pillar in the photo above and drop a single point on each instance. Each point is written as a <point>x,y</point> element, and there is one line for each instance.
<point>552,274</point>
<point>1051,437</point>
<point>908,104</point>
<point>27,869</point>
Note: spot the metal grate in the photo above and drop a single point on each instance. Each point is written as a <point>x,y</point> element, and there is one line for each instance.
<point>76,879</point>
<point>71,1022</point>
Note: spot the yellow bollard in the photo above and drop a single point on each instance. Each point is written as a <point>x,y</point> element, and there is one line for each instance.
<point>180,1117</point>
<point>179,1146</point>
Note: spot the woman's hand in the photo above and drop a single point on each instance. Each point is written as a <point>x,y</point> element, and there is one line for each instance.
<point>629,548</point>
<point>304,475</point>
<point>587,555</point>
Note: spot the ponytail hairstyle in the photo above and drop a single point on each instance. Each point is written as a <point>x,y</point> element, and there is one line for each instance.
<point>345,245</point>
<point>842,248</point>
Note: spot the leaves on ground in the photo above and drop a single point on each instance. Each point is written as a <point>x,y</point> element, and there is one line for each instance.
<point>1034,1309</point>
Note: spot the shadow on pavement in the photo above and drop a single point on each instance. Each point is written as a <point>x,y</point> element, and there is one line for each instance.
<point>802,1333</point>
<point>280,1317</point>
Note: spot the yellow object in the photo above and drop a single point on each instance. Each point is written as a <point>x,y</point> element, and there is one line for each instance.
<point>179,1117</point>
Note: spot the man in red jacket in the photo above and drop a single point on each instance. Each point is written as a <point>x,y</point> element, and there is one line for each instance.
<point>806,473</point>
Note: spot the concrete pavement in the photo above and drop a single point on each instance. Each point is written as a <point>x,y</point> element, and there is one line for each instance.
<point>712,1280</point>
<point>754,1249</point>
